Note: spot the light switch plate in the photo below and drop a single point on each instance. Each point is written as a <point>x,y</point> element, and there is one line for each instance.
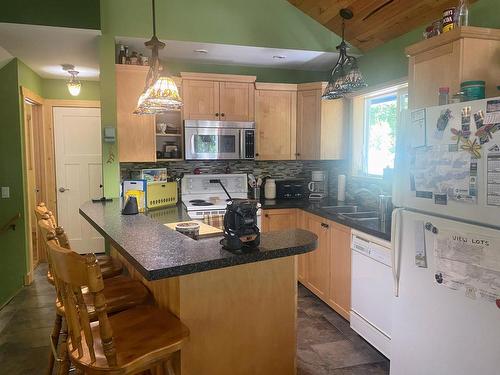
<point>5,192</point>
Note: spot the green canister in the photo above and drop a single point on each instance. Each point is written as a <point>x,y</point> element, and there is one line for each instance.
<point>473,90</point>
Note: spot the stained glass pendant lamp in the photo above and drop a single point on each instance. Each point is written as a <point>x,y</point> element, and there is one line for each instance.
<point>345,76</point>
<point>160,93</point>
<point>74,85</point>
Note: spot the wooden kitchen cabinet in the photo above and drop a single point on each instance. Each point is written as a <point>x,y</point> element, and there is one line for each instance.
<point>201,100</point>
<point>463,54</point>
<point>275,118</point>
<point>321,133</point>
<point>135,133</point>
<point>318,261</point>
<point>326,271</point>
<point>339,295</point>
<point>221,97</point>
<point>279,219</point>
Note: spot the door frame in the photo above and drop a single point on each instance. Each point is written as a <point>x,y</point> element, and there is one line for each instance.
<point>45,118</point>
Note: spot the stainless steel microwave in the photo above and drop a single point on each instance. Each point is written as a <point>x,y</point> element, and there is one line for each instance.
<point>215,140</point>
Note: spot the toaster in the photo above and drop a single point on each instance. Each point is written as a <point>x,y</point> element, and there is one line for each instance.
<point>291,189</point>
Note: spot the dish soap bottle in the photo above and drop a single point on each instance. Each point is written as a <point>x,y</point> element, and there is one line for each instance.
<point>462,13</point>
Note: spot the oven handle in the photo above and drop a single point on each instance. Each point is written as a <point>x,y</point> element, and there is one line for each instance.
<point>192,144</point>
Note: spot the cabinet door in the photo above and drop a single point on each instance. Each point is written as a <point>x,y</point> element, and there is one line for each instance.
<point>237,101</point>
<point>308,124</point>
<point>275,117</point>
<point>334,140</point>
<point>278,219</point>
<point>201,99</point>
<point>136,133</point>
<point>318,261</point>
<point>339,296</point>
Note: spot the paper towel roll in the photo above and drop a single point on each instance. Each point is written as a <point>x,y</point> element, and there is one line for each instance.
<point>341,187</point>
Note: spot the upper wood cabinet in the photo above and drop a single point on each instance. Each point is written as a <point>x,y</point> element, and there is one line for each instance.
<point>220,97</point>
<point>275,119</point>
<point>463,54</point>
<point>136,133</point>
<point>321,131</point>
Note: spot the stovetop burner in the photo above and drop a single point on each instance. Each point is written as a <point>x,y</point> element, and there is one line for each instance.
<point>197,201</point>
<point>201,203</point>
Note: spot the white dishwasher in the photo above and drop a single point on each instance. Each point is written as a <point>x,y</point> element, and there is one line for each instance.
<point>371,290</point>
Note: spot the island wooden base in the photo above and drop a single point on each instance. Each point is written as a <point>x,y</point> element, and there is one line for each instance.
<point>242,319</point>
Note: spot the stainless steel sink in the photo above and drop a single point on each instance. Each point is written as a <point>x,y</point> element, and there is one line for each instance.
<point>340,209</point>
<point>360,216</point>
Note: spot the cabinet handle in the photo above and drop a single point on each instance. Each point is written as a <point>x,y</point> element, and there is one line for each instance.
<point>324,225</point>
<point>266,215</point>
<point>217,114</point>
<point>222,114</point>
<point>257,154</point>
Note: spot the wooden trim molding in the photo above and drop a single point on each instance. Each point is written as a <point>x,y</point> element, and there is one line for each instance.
<point>311,86</point>
<point>276,86</point>
<point>451,36</point>
<point>31,96</point>
<point>218,77</point>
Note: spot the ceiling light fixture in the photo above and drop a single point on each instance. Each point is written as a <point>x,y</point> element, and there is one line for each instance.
<point>279,57</point>
<point>345,76</point>
<point>73,83</point>
<point>160,93</point>
<point>201,50</point>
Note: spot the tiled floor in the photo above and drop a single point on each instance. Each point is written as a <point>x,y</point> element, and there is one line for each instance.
<point>326,343</point>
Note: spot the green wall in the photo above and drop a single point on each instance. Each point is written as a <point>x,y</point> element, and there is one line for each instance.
<point>57,89</point>
<point>389,62</point>
<point>261,23</point>
<point>80,14</point>
<point>13,243</point>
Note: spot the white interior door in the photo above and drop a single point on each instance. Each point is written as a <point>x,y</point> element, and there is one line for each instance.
<point>78,172</point>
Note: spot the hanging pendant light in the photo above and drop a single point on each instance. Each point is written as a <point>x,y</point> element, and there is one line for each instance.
<point>74,85</point>
<point>345,76</point>
<point>160,93</point>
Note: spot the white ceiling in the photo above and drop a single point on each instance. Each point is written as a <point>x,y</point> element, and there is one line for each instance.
<point>45,48</point>
<point>225,54</point>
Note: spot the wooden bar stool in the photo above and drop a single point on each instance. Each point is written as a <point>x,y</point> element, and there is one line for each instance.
<point>121,293</point>
<point>109,266</point>
<point>138,339</point>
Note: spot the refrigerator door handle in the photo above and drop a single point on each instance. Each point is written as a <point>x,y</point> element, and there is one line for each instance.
<point>396,247</point>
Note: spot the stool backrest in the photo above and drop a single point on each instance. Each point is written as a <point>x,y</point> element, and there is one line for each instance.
<point>42,209</point>
<point>73,272</point>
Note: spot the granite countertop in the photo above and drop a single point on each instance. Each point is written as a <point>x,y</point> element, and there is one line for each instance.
<point>375,228</point>
<point>159,252</point>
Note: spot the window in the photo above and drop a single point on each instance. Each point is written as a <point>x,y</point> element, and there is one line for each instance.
<point>379,118</point>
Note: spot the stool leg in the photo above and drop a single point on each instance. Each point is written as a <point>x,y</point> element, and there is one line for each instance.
<point>63,351</point>
<point>169,368</point>
<point>55,340</point>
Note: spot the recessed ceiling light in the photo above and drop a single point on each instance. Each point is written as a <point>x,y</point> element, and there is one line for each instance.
<point>200,50</point>
<point>279,57</point>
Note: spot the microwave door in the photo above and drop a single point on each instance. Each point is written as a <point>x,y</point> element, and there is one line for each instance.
<point>212,144</point>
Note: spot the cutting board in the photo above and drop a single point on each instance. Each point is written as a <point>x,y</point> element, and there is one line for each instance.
<point>205,229</point>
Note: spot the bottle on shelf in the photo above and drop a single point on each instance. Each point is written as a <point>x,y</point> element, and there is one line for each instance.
<point>127,57</point>
<point>462,13</point>
<point>121,55</point>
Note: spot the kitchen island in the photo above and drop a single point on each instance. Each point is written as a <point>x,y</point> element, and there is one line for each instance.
<point>240,307</point>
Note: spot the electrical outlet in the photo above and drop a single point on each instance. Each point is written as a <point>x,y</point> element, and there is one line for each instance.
<point>5,192</point>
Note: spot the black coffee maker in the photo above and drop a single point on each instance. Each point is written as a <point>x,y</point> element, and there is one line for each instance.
<point>240,223</point>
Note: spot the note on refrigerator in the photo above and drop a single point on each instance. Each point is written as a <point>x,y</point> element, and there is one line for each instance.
<point>436,170</point>
<point>420,253</point>
<point>416,129</point>
<point>468,262</point>
<point>493,177</point>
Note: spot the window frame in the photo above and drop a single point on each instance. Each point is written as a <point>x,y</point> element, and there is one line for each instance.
<point>400,90</point>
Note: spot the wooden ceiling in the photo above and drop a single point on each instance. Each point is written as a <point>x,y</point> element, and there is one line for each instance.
<point>375,22</point>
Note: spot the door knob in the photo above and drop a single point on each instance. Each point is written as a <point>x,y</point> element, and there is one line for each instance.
<point>62,189</point>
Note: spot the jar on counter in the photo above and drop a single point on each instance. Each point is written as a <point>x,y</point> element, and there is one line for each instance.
<point>270,189</point>
<point>473,90</point>
<point>444,95</point>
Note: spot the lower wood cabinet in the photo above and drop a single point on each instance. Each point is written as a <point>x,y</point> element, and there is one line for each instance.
<point>279,219</point>
<point>325,271</point>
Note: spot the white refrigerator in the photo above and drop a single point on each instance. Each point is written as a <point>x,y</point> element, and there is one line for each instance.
<point>446,241</point>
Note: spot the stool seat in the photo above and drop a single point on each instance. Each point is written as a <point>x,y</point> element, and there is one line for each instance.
<point>121,293</point>
<point>141,335</point>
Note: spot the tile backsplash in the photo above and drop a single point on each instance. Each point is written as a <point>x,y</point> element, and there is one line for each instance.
<point>275,169</point>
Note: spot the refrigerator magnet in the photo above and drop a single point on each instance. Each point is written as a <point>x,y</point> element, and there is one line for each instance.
<point>441,199</point>
<point>439,278</point>
<point>498,303</point>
